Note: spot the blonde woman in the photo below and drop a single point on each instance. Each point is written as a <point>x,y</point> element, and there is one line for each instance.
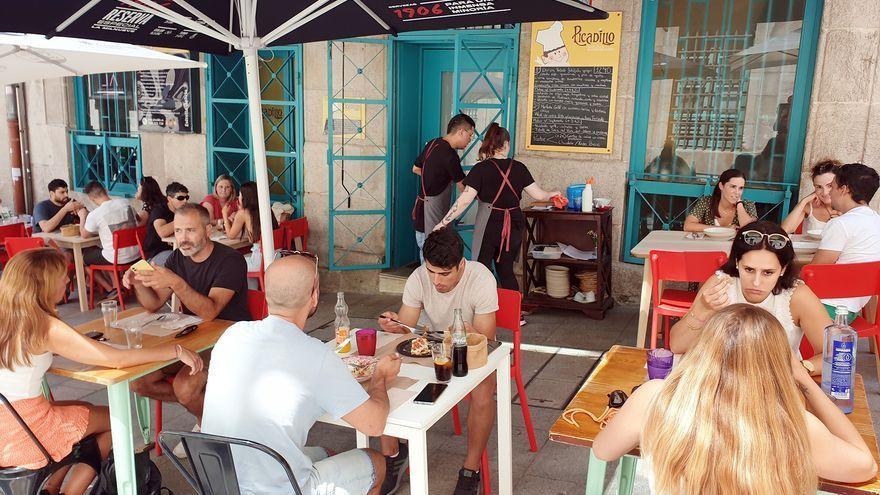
<point>30,333</point>
<point>737,415</point>
<point>223,196</point>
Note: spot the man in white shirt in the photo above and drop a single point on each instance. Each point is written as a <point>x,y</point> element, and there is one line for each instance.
<point>269,382</point>
<point>854,236</point>
<point>110,215</point>
<point>445,281</point>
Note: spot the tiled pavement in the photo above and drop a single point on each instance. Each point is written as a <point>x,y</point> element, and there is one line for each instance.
<point>563,346</point>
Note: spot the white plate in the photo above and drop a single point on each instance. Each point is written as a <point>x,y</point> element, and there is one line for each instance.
<point>803,247</point>
<point>813,234</point>
<point>720,233</point>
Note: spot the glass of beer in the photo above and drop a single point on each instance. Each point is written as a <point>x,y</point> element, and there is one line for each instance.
<point>442,354</point>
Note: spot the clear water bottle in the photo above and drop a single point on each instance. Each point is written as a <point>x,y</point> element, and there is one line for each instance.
<point>839,361</point>
<point>343,324</point>
<point>459,345</point>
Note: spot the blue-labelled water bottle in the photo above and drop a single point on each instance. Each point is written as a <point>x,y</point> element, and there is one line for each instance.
<point>839,361</point>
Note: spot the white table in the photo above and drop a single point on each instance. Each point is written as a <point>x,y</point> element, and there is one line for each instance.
<point>76,244</point>
<point>411,421</point>
<point>674,240</point>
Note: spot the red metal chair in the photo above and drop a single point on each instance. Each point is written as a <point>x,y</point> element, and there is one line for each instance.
<point>122,238</point>
<point>278,239</point>
<point>508,316</point>
<point>861,279</point>
<point>677,266</point>
<point>15,245</point>
<point>259,310</point>
<point>10,230</point>
<point>297,228</point>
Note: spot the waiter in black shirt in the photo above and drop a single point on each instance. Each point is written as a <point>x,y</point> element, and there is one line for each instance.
<point>440,166</point>
<point>498,182</point>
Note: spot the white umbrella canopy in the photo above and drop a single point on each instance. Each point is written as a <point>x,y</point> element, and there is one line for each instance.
<point>774,52</point>
<point>29,57</point>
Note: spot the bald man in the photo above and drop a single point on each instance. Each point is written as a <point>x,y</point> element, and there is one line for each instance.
<point>269,382</point>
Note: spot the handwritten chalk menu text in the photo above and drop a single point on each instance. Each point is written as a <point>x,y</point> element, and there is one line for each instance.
<point>571,106</point>
<point>573,85</point>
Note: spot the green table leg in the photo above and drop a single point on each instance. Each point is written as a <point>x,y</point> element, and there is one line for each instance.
<point>121,432</point>
<point>627,475</point>
<point>142,406</point>
<point>595,476</point>
<point>47,393</point>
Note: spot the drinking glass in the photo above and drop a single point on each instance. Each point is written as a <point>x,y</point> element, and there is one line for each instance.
<point>134,336</point>
<point>441,352</point>
<point>366,341</point>
<point>110,312</point>
<point>659,363</point>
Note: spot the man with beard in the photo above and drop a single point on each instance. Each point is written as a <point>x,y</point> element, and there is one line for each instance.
<point>210,280</point>
<point>272,381</point>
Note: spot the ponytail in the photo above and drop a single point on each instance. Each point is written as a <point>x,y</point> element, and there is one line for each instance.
<point>493,141</point>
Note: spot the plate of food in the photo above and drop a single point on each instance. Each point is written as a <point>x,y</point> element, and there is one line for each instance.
<point>361,367</point>
<point>415,348</point>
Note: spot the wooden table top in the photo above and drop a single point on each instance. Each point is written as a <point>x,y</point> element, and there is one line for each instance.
<point>622,368</point>
<point>674,240</point>
<point>69,240</point>
<point>205,337</point>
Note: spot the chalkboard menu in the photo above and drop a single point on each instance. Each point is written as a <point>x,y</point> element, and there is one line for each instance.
<point>573,85</point>
<point>571,106</point>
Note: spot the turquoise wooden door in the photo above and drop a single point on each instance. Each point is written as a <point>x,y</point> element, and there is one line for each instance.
<point>477,76</point>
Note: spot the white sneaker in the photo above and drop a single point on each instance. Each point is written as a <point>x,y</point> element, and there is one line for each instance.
<point>179,451</point>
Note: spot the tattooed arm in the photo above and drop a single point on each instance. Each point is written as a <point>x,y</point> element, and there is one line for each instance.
<point>460,205</point>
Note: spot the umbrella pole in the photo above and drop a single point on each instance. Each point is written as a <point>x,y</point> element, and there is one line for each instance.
<point>258,143</point>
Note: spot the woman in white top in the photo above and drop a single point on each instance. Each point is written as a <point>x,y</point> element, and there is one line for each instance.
<point>30,333</point>
<point>729,418</point>
<point>760,271</point>
<point>814,210</point>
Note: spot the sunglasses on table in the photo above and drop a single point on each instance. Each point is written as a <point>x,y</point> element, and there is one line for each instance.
<point>774,241</point>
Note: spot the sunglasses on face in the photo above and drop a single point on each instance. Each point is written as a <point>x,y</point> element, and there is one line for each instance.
<point>774,241</point>
<point>182,198</point>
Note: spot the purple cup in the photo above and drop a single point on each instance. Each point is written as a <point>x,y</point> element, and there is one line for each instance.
<point>659,363</point>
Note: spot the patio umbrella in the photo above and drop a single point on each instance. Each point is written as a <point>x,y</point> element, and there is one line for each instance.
<point>28,57</point>
<point>774,52</point>
<point>223,26</point>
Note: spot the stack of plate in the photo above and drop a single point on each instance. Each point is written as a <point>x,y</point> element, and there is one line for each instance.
<point>558,283</point>
<point>586,281</point>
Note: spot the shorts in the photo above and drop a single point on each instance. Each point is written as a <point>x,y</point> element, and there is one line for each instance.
<point>832,311</point>
<point>348,473</point>
<point>93,256</point>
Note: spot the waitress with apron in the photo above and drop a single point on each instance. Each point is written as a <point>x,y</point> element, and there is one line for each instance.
<point>497,182</point>
<point>440,167</point>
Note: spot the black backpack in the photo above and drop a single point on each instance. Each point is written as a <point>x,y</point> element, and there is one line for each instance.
<point>147,474</point>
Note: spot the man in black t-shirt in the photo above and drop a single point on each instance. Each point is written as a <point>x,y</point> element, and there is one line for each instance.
<point>160,223</point>
<point>211,281</point>
<point>440,166</point>
<point>58,210</point>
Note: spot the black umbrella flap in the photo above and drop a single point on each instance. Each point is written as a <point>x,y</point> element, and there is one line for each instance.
<point>146,22</point>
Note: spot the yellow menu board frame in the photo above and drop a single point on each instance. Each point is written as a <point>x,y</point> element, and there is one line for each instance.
<point>594,43</point>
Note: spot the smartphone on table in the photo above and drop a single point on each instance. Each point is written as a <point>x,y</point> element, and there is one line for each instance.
<point>430,393</point>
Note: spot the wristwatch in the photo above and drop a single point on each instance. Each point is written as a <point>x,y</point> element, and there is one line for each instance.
<point>808,365</point>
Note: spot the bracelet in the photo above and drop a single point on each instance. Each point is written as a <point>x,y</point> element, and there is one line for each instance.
<point>695,317</point>
<point>178,349</point>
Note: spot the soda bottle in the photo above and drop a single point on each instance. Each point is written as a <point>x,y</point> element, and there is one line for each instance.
<point>459,345</point>
<point>343,325</point>
<point>839,361</point>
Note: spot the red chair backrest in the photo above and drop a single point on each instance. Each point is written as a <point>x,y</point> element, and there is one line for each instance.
<point>257,304</point>
<point>130,237</point>
<point>296,228</point>
<point>278,238</point>
<point>15,245</point>
<point>509,312</point>
<point>682,266</point>
<point>843,280</point>
<point>13,230</point>
<point>799,229</point>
